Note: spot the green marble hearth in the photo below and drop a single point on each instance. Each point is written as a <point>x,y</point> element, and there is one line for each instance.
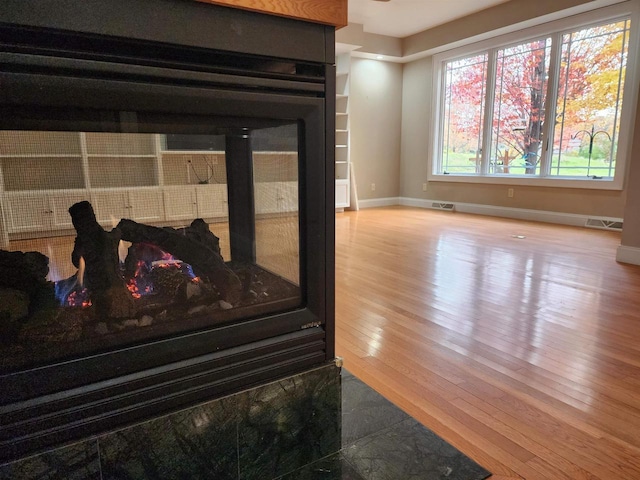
<point>322,424</point>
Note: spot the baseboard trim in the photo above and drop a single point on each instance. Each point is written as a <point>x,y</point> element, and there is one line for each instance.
<point>509,212</point>
<point>379,202</point>
<point>626,254</point>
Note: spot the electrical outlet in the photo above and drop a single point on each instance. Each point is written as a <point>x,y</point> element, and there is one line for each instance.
<point>424,187</point>
<point>373,187</point>
<point>510,193</point>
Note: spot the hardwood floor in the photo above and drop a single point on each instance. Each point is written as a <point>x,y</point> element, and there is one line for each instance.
<point>524,353</point>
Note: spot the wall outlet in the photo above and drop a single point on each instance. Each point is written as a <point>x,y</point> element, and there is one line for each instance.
<point>510,193</point>
<point>424,187</point>
<point>373,187</point>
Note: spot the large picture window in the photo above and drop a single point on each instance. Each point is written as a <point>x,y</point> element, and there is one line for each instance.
<point>545,108</point>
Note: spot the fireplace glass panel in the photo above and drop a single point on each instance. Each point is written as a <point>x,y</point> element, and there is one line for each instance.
<point>114,239</point>
<point>275,165</point>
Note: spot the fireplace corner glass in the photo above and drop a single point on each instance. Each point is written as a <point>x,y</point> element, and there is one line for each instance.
<point>112,239</point>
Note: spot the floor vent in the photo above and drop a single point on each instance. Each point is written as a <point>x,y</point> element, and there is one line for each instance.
<point>442,206</point>
<point>604,224</point>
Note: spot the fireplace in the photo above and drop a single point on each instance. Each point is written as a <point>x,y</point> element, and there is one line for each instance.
<point>167,210</point>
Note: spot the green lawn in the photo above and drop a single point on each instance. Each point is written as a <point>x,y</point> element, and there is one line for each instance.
<point>574,166</point>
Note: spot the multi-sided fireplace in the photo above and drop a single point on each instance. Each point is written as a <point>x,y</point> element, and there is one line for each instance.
<point>166,185</point>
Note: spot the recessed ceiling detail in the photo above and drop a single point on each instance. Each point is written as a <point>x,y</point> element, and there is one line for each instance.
<point>401,18</point>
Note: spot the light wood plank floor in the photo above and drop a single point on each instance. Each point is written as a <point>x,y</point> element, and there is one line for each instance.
<point>524,353</point>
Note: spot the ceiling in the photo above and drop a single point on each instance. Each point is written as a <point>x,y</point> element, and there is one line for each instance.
<point>401,18</point>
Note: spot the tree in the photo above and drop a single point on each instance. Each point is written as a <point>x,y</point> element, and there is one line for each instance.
<point>518,112</point>
<point>519,99</point>
<point>464,97</point>
<point>593,68</point>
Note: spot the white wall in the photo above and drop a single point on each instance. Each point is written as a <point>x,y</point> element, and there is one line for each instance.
<point>416,123</point>
<point>631,233</point>
<point>375,123</point>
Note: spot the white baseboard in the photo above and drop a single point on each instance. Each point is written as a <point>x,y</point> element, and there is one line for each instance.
<point>415,202</point>
<point>379,202</point>
<point>509,212</point>
<point>626,254</point>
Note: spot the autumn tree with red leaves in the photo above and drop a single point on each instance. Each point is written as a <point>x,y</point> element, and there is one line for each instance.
<point>589,89</point>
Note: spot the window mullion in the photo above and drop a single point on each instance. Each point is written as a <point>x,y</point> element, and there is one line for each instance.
<point>490,95</point>
<point>550,105</point>
<point>442,96</point>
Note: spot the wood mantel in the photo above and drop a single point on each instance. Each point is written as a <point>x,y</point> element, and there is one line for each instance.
<point>330,12</point>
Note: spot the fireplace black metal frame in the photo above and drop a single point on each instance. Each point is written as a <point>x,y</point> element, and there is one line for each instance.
<point>66,65</point>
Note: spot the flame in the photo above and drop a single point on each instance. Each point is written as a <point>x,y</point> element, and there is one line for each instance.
<point>166,263</point>
<point>133,288</point>
<point>123,250</point>
<point>78,299</point>
<point>140,283</point>
<point>81,269</point>
<point>72,292</point>
<point>132,284</point>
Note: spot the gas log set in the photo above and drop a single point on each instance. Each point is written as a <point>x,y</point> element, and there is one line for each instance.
<point>136,280</point>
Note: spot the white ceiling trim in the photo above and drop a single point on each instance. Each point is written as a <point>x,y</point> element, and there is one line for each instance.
<point>401,18</point>
<point>364,51</point>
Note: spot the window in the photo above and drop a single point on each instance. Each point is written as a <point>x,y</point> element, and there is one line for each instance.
<point>547,108</point>
<point>518,107</point>
<point>464,113</point>
<point>589,99</point>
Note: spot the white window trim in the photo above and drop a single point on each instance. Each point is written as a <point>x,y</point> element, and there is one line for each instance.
<point>627,117</point>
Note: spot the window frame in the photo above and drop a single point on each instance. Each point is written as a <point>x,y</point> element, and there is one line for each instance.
<point>554,29</point>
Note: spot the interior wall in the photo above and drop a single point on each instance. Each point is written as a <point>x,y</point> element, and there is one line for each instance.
<point>375,125</point>
<point>416,119</point>
<point>631,231</point>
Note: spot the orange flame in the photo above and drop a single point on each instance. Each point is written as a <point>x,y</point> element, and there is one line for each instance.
<point>81,269</point>
<point>123,250</point>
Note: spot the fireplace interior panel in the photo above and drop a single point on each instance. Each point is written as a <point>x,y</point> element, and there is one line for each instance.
<point>154,248</point>
<point>166,203</point>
